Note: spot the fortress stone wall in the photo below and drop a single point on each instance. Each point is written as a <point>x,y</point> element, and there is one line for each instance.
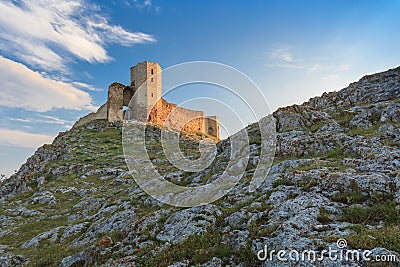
<point>101,114</point>
<point>146,104</point>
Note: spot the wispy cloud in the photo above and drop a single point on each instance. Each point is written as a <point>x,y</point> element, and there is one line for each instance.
<point>143,5</point>
<point>22,139</point>
<point>26,120</point>
<point>43,33</point>
<point>280,54</point>
<point>45,119</point>
<point>86,86</point>
<point>284,58</point>
<point>23,88</point>
<point>54,120</point>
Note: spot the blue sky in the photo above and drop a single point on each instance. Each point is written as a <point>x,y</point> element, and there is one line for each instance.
<point>57,58</point>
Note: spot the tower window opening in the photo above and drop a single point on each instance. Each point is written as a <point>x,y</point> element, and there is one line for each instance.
<point>152,71</point>
<point>152,95</point>
<point>152,80</point>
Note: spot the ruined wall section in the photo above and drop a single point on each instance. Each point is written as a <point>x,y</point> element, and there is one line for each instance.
<point>211,125</point>
<point>100,114</point>
<point>172,116</point>
<point>119,95</point>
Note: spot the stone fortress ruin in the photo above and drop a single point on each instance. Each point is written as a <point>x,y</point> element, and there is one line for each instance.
<point>147,104</point>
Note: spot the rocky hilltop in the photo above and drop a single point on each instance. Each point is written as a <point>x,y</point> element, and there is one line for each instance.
<point>336,174</point>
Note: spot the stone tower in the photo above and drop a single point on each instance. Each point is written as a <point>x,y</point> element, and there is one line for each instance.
<point>149,96</point>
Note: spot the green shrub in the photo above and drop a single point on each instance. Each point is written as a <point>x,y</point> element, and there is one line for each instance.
<point>198,249</point>
<point>379,211</point>
<point>281,181</point>
<point>259,229</point>
<point>323,217</point>
<point>367,132</point>
<point>349,197</point>
<point>355,214</point>
<point>343,118</point>
<point>336,153</point>
<point>387,237</point>
<point>384,211</point>
<point>309,184</point>
<point>315,127</point>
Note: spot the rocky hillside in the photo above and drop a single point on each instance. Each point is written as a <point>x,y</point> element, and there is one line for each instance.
<point>336,175</point>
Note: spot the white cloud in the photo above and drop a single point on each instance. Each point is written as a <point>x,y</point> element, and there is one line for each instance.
<point>281,54</point>
<point>283,58</point>
<point>54,120</point>
<point>22,139</point>
<point>24,88</point>
<point>42,33</point>
<point>27,120</point>
<point>86,86</point>
<point>117,34</point>
<point>144,5</point>
<point>45,120</point>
